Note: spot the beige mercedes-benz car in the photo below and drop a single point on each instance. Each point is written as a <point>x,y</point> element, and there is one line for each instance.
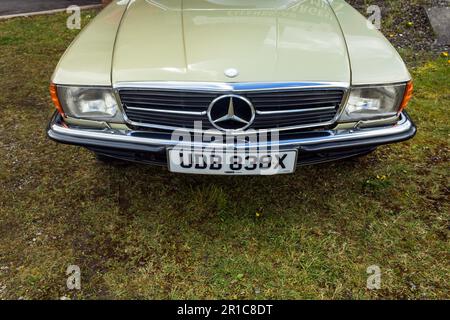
<point>230,86</point>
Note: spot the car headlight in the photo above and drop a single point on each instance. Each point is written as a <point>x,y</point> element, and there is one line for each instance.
<point>91,103</point>
<point>375,102</point>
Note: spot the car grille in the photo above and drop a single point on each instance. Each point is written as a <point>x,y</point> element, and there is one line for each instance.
<point>274,109</point>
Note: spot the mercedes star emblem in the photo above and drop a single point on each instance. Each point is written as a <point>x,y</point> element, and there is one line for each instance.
<point>231,112</point>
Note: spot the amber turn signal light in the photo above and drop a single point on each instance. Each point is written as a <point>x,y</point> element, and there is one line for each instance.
<point>55,99</point>
<point>407,96</point>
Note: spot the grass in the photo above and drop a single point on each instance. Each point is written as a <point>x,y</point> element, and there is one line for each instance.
<point>141,232</point>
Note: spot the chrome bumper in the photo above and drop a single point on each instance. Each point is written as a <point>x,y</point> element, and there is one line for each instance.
<point>142,141</point>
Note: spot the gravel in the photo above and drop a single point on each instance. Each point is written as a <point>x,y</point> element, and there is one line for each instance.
<point>405,23</point>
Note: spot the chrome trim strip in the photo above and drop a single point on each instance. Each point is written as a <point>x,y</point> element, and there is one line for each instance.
<point>231,88</point>
<point>387,84</point>
<point>235,133</point>
<point>403,125</point>
<point>294,111</point>
<point>194,113</point>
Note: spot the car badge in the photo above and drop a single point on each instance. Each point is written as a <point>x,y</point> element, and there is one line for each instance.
<point>231,73</point>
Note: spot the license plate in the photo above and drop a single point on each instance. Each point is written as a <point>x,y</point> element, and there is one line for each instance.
<point>232,163</point>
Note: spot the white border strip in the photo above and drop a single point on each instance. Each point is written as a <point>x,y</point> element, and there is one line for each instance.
<point>29,14</point>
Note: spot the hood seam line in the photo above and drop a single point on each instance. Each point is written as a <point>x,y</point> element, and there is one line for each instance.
<point>115,42</point>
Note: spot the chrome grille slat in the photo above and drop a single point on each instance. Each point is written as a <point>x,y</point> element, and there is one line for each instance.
<point>274,112</point>
<point>292,117</point>
<point>290,99</point>
<point>174,120</point>
<point>172,100</point>
<point>295,104</point>
<point>297,93</point>
<point>186,117</point>
<point>185,95</point>
<point>291,102</point>
<point>162,106</point>
<point>195,113</point>
<point>274,108</point>
<point>293,96</point>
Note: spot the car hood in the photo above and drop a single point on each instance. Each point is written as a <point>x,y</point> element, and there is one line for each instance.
<point>197,40</point>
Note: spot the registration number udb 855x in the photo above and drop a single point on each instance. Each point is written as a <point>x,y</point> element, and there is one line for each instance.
<point>234,163</point>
